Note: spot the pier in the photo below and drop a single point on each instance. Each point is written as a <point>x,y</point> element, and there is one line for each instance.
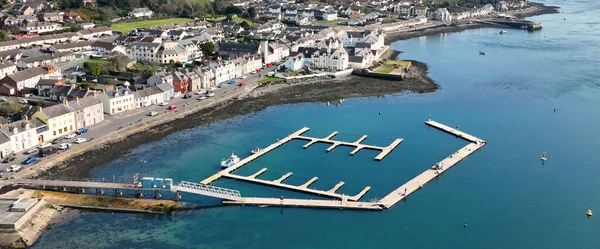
<point>277,202</point>
<point>357,144</point>
<point>416,183</point>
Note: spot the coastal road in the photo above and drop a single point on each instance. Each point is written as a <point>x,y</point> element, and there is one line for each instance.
<point>129,118</point>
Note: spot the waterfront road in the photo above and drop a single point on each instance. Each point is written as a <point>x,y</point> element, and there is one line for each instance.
<point>129,118</point>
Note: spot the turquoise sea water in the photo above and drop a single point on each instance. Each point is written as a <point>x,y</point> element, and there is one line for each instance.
<point>506,196</point>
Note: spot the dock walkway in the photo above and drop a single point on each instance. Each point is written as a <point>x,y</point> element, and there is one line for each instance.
<point>276,202</point>
<point>416,183</point>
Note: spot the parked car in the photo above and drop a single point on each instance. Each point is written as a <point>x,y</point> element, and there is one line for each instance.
<point>243,77</point>
<point>14,168</point>
<point>31,151</point>
<point>30,160</point>
<point>23,101</point>
<point>47,151</point>
<point>64,146</point>
<point>152,113</point>
<point>81,131</point>
<point>69,136</point>
<point>80,140</point>
<point>57,140</point>
<point>8,159</point>
<point>201,97</point>
<point>210,95</point>
<point>163,104</point>
<point>242,84</point>
<point>44,145</point>
<point>187,96</point>
<point>2,98</point>
<point>172,107</point>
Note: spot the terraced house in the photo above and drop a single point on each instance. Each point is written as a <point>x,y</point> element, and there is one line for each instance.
<point>21,134</point>
<point>117,101</point>
<point>60,120</point>
<point>88,111</point>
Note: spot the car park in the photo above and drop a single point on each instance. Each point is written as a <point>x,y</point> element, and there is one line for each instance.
<point>14,168</point>
<point>80,140</point>
<point>29,160</point>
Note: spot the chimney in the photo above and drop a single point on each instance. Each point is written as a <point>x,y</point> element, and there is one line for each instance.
<point>26,118</point>
<point>88,89</point>
<point>65,102</point>
<point>39,109</point>
<point>76,99</point>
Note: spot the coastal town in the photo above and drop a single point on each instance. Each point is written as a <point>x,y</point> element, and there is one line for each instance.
<point>70,83</point>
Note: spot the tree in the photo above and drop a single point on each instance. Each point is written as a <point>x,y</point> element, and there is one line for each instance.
<point>95,69</point>
<point>252,12</point>
<point>9,108</point>
<point>229,18</point>
<point>3,35</point>
<point>207,48</point>
<point>117,62</point>
<point>245,25</point>
<point>79,79</point>
<point>233,10</point>
<point>178,64</point>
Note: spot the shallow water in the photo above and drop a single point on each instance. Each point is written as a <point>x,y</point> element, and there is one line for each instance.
<point>507,197</point>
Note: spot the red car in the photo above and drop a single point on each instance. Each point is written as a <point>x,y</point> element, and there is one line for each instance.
<point>173,107</point>
<point>242,84</point>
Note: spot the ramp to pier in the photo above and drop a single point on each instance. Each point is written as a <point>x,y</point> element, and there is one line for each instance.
<point>207,190</point>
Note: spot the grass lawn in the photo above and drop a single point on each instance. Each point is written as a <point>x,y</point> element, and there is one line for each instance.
<point>240,20</point>
<point>269,79</point>
<point>126,27</point>
<point>404,64</point>
<point>384,70</point>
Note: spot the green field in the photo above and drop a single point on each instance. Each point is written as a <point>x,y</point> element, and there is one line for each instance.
<point>384,70</point>
<point>269,79</point>
<point>126,27</point>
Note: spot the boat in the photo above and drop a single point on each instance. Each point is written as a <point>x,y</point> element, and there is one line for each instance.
<point>481,53</point>
<point>589,213</point>
<point>232,160</point>
<point>543,158</point>
<point>503,32</point>
<point>255,150</point>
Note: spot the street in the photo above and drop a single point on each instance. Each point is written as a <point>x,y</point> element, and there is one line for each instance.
<point>122,120</point>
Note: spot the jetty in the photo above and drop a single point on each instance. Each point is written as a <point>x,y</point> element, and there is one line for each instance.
<point>312,140</point>
<point>278,202</point>
<point>442,166</point>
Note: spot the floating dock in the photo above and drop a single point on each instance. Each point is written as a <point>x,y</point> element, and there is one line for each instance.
<point>276,202</point>
<point>357,144</point>
<point>416,183</point>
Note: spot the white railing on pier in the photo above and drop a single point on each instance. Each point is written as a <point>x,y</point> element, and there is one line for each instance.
<point>207,190</point>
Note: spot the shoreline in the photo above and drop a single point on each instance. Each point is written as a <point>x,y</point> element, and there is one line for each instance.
<point>79,164</point>
<point>259,99</point>
<point>536,9</point>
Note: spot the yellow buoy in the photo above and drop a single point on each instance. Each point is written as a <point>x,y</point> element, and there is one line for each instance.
<point>589,213</point>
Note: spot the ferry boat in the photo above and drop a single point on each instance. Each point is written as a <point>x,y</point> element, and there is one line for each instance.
<point>255,150</point>
<point>232,160</point>
<point>503,32</point>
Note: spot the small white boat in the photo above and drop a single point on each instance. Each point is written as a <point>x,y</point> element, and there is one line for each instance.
<point>232,160</point>
<point>255,150</point>
<point>503,32</point>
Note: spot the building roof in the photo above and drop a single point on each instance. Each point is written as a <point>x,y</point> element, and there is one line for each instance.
<point>56,110</point>
<point>356,59</point>
<point>165,87</point>
<point>239,47</point>
<point>89,101</point>
<point>47,82</point>
<point>105,45</point>
<point>25,74</point>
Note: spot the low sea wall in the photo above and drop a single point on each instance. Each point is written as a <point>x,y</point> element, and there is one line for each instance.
<point>383,76</point>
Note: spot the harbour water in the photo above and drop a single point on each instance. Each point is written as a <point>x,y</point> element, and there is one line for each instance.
<point>508,198</point>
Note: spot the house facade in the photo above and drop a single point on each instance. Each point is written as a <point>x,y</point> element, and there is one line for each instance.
<point>117,101</point>
<point>22,135</point>
<point>59,119</point>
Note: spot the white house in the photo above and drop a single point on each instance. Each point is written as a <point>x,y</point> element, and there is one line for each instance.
<point>6,68</point>
<point>40,27</point>
<point>350,38</point>
<point>105,49</point>
<point>294,62</point>
<point>148,96</point>
<point>273,52</point>
<point>223,71</point>
<point>22,135</point>
<point>140,12</point>
<point>117,101</point>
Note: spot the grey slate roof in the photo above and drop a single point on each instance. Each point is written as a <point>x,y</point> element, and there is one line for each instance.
<point>56,110</point>
<point>89,101</point>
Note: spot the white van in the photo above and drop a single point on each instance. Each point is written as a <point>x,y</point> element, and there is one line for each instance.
<point>44,145</point>
<point>152,113</point>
